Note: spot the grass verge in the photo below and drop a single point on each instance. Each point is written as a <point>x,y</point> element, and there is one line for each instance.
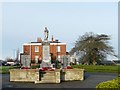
<point>5,69</point>
<point>88,68</point>
<point>98,68</point>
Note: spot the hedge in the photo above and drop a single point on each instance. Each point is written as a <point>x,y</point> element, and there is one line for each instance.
<point>115,83</point>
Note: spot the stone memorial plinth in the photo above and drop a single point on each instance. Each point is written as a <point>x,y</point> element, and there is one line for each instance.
<point>46,62</point>
<point>66,60</point>
<point>25,61</point>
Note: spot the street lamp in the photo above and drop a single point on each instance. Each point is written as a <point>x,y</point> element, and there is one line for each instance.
<point>57,50</point>
<point>56,64</point>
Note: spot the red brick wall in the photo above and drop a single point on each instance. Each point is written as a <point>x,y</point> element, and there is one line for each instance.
<point>33,53</point>
<point>53,49</point>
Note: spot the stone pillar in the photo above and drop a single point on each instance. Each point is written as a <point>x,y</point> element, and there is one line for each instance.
<point>25,61</point>
<point>46,62</point>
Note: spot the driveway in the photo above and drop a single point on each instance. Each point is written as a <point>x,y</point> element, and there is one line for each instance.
<point>90,81</point>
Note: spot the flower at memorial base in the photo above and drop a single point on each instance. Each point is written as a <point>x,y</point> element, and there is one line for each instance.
<point>44,68</point>
<point>51,70</point>
<point>69,67</point>
<point>24,68</point>
<point>41,69</point>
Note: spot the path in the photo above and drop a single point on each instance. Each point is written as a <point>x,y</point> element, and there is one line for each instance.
<point>91,80</point>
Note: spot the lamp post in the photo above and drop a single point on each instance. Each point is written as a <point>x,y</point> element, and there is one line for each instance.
<point>56,64</point>
<point>57,49</point>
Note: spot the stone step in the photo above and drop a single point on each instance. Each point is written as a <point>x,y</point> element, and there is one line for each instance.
<point>48,76</point>
<point>47,72</point>
<point>46,81</point>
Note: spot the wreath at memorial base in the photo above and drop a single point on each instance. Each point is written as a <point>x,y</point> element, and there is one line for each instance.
<point>25,68</point>
<point>47,69</point>
<point>68,67</point>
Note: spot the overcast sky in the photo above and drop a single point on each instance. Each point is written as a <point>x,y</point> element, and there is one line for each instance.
<point>24,22</point>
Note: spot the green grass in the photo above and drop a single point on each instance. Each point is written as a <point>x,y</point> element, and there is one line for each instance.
<point>98,68</point>
<point>88,68</point>
<point>5,69</point>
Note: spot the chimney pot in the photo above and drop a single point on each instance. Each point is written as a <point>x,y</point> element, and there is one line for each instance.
<point>39,40</point>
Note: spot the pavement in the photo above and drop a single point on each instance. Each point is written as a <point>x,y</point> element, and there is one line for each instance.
<point>90,81</point>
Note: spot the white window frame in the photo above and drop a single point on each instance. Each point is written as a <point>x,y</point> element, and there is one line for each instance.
<point>36,59</point>
<point>36,48</point>
<point>59,57</point>
<point>58,48</point>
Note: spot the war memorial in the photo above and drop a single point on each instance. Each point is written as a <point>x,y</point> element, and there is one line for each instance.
<point>47,72</point>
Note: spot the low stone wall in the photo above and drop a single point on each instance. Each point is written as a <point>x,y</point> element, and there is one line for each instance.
<point>24,75</point>
<point>72,74</point>
<point>34,75</point>
<point>37,76</point>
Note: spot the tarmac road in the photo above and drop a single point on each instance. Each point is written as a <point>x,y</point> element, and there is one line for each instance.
<point>90,81</point>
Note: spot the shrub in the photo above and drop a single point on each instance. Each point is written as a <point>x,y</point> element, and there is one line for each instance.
<point>109,84</point>
<point>34,67</point>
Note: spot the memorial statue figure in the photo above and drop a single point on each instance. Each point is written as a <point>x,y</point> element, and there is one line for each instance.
<point>46,32</point>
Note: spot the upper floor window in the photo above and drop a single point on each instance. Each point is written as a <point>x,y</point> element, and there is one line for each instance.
<point>36,48</point>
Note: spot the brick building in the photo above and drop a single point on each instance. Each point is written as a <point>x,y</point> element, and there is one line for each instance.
<point>34,49</point>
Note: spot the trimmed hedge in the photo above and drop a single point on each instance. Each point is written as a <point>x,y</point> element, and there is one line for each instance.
<point>34,67</point>
<point>115,83</point>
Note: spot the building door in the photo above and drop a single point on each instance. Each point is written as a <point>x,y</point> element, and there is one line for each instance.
<point>36,59</point>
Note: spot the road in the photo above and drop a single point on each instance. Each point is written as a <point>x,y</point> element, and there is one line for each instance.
<point>91,80</point>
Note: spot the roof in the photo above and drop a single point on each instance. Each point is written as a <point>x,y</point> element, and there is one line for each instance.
<point>106,62</point>
<point>40,43</point>
<point>116,61</point>
<point>49,41</point>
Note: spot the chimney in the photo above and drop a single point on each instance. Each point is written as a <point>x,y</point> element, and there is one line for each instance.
<point>39,40</point>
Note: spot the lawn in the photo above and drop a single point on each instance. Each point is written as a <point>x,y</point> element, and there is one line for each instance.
<point>99,68</point>
<point>88,68</point>
<point>5,69</point>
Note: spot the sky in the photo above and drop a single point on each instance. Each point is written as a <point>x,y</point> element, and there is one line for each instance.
<point>25,21</point>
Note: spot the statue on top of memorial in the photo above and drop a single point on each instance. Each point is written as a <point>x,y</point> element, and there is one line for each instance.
<point>46,33</point>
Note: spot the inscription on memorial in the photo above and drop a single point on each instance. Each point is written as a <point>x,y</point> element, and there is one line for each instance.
<point>46,52</point>
<point>25,60</point>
